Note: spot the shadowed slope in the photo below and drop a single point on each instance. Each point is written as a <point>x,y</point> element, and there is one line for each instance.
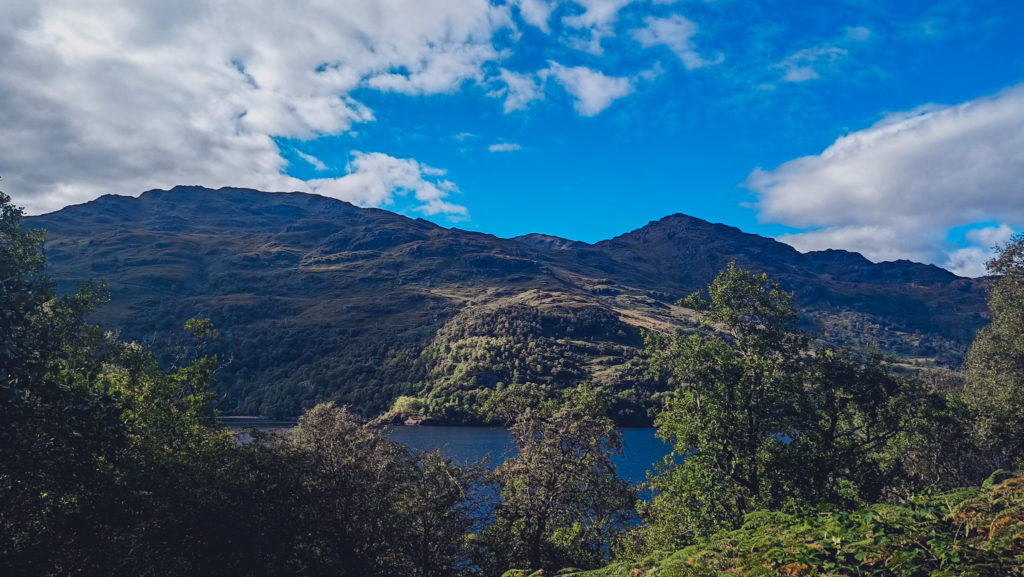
<point>316,298</point>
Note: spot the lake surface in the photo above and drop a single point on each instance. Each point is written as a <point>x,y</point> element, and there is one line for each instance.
<point>641,449</point>
<point>464,445</point>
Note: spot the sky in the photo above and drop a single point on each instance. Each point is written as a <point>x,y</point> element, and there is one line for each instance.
<point>894,128</point>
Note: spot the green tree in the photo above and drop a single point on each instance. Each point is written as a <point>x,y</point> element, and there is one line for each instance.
<point>370,507</point>
<point>760,422</point>
<point>110,465</point>
<point>561,502</point>
<point>868,433</point>
<point>739,392</point>
<point>97,445</point>
<point>57,430</point>
<point>995,362</point>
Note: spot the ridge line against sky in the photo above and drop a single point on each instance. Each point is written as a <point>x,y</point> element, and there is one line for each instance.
<point>891,128</point>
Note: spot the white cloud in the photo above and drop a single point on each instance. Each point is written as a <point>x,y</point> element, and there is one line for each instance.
<point>375,178</point>
<point>969,262</point>
<point>597,20</point>
<point>803,65</point>
<point>120,97</point>
<point>536,12</point>
<point>895,189</point>
<point>504,147</point>
<point>312,160</point>
<point>990,236</point>
<point>519,90</point>
<point>676,32</point>
<point>592,90</point>
<point>829,58</point>
<point>878,242</point>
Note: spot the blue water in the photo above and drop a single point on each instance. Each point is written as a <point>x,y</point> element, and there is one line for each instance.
<point>640,448</point>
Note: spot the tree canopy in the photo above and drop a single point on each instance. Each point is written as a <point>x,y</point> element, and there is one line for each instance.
<point>561,502</point>
<point>995,363</point>
<point>759,421</point>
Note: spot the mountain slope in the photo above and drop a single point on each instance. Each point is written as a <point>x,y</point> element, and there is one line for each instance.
<point>318,299</point>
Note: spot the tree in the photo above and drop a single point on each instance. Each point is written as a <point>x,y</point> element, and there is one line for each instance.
<point>867,433</point>
<point>738,395</point>
<point>56,428</point>
<point>995,362</point>
<point>760,422</point>
<point>561,500</point>
<point>370,507</point>
<point>441,508</point>
<point>97,445</point>
<point>110,465</point>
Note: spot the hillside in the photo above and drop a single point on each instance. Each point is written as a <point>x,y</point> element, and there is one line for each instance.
<point>316,298</point>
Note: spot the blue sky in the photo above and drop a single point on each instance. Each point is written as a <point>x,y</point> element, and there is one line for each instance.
<point>891,128</point>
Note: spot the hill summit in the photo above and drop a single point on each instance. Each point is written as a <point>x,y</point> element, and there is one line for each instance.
<point>318,299</point>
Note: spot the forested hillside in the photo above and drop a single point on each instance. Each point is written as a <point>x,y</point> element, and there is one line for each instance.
<point>317,299</point>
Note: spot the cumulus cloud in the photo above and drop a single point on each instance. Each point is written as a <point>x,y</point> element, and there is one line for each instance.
<point>895,189</point>
<point>375,178</point>
<point>519,90</point>
<point>990,236</point>
<point>504,147</point>
<point>597,21</point>
<point>676,32</point>
<point>969,262</point>
<point>592,90</point>
<point>101,97</point>
<point>535,12</point>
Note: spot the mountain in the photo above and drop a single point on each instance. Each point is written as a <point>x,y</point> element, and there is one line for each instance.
<point>318,299</point>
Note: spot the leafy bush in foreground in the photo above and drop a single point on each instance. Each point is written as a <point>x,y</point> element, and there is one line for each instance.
<point>970,532</point>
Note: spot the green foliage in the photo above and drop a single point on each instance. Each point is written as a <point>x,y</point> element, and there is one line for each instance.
<point>967,532</point>
<point>739,391</point>
<point>869,433</point>
<point>91,432</point>
<point>406,405</point>
<point>995,363</point>
<point>55,428</point>
<point>760,423</point>
<point>515,342</point>
<point>370,506</point>
<point>561,501</point>
<point>201,328</point>
<point>111,465</point>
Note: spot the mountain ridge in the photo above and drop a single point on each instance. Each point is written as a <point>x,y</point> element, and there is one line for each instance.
<point>542,237</point>
<point>317,298</point>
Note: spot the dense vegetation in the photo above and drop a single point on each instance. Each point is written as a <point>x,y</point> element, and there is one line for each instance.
<point>318,300</point>
<point>975,531</point>
<point>789,460</point>
<point>111,466</point>
<point>763,423</point>
<point>560,499</point>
